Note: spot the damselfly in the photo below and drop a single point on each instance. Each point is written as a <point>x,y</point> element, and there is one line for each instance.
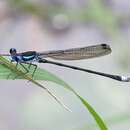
<point>69,54</point>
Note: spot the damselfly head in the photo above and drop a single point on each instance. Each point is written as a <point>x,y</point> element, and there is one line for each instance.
<point>13,51</point>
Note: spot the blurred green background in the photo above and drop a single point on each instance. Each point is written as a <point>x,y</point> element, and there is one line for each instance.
<point>43,25</point>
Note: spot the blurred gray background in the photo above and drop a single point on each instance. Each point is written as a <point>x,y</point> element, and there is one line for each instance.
<point>43,25</point>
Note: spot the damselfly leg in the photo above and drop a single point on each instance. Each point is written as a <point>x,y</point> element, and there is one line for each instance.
<point>27,69</point>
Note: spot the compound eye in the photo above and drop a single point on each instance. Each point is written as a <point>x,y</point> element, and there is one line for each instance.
<point>12,50</point>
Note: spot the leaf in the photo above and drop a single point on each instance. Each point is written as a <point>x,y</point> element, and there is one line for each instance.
<point>42,74</point>
<point>6,64</point>
<point>94,114</point>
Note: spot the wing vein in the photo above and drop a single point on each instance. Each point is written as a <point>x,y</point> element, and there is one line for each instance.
<point>78,53</point>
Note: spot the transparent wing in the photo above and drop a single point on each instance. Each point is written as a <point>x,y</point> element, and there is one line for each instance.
<point>78,53</point>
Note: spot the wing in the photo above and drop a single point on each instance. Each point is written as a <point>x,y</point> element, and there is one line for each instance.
<point>78,53</point>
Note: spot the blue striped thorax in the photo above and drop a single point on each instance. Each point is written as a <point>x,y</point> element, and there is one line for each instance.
<point>28,56</point>
<point>23,57</point>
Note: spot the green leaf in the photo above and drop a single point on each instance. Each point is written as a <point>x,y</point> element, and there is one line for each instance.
<point>94,114</point>
<point>40,74</point>
<point>6,68</point>
<point>19,72</point>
